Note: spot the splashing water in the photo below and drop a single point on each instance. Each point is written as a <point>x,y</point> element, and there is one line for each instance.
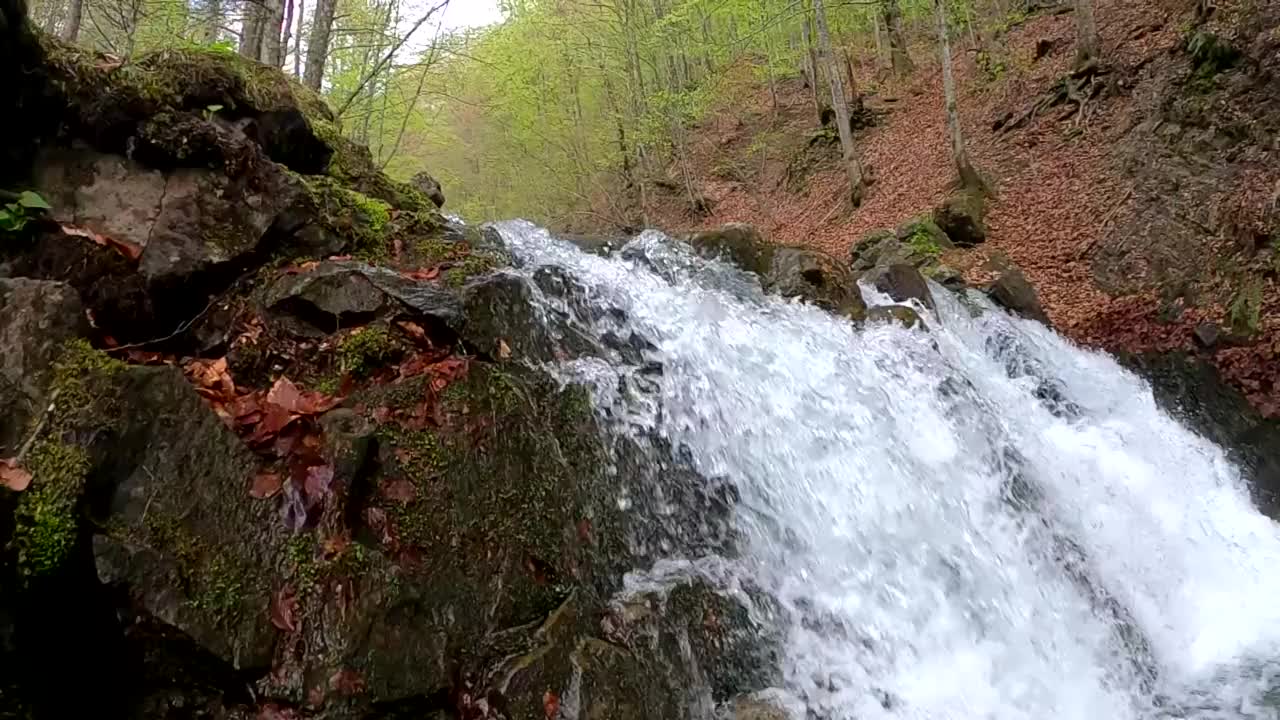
<point>979,521</point>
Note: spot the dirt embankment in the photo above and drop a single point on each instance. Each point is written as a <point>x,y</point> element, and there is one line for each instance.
<point>1145,219</point>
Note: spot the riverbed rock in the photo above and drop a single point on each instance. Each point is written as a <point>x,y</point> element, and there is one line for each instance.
<point>918,242</point>
<point>36,318</point>
<point>738,243</point>
<point>814,277</point>
<point>900,314</point>
<point>901,282</point>
<point>429,186</point>
<point>1010,290</point>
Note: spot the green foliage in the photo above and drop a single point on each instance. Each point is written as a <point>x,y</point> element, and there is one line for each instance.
<point>366,349</point>
<point>1210,54</point>
<point>922,243</point>
<point>46,516</point>
<point>15,215</point>
<point>1246,308</point>
<point>992,65</point>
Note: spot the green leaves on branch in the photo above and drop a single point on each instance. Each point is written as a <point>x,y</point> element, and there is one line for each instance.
<point>15,215</point>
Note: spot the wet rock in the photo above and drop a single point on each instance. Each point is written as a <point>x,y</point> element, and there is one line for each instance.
<point>595,244</point>
<point>1207,335</point>
<point>1192,390</point>
<point>902,283</point>
<point>751,708</point>
<point>814,277</point>
<point>184,540</point>
<point>900,314</point>
<point>1011,291</point>
<point>500,314</point>
<point>917,242</point>
<point>738,243</point>
<point>339,294</point>
<point>960,217</point>
<point>36,318</point>
<point>428,186</point>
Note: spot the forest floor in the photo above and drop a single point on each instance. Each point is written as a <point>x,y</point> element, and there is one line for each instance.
<point>1064,183</point>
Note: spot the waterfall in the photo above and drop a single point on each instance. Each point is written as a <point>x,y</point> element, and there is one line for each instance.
<point>980,520</point>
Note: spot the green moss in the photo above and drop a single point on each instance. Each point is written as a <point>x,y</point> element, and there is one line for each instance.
<point>366,349</point>
<point>1246,308</point>
<point>921,242</point>
<point>433,250</point>
<point>47,525</point>
<point>304,568</point>
<point>419,453</point>
<point>476,263</point>
<point>220,588</point>
<point>1210,54</point>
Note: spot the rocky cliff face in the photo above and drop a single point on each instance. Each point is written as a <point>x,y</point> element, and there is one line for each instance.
<point>271,448</point>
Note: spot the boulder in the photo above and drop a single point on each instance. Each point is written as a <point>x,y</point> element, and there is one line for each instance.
<point>738,243</point>
<point>960,217</point>
<point>814,277</point>
<point>902,282</point>
<point>180,223</point>
<point>428,186</point>
<point>1011,291</point>
<point>36,318</point>
<point>900,314</point>
<point>918,243</point>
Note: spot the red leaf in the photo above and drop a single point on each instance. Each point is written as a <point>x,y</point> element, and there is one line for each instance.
<point>265,485</point>
<point>284,605</point>
<point>427,274</point>
<point>319,481</point>
<point>285,394</point>
<point>211,377</point>
<point>413,330</point>
<point>347,682</point>
<point>13,476</point>
<point>400,490</point>
<point>124,247</point>
<point>551,705</point>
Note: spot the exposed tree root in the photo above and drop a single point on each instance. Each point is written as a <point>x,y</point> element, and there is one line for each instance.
<point>1079,88</point>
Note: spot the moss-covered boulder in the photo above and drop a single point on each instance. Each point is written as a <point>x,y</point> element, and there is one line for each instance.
<point>960,216</point>
<point>918,242</point>
<point>36,318</point>
<point>738,243</point>
<point>900,314</point>
<point>814,277</point>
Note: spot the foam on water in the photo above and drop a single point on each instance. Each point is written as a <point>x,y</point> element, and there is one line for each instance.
<point>980,521</point>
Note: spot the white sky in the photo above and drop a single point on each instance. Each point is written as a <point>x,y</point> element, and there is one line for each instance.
<point>471,13</point>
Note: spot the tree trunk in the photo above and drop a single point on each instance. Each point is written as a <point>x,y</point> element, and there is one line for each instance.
<point>1088,43</point>
<point>902,64</point>
<point>318,43</point>
<point>857,184</point>
<point>212,23</point>
<point>814,75</point>
<point>273,23</point>
<point>255,19</point>
<point>297,43</point>
<point>288,33</point>
<point>882,54</point>
<point>75,13</point>
<point>969,178</point>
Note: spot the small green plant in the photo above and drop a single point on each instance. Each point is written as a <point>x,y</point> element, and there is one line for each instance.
<point>15,215</point>
<point>992,66</point>
<point>222,47</point>
<point>1210,54</point>
<point>1246,309</point>
<point>365,350</point>
<point>211,111</point>
<point>922,243</point>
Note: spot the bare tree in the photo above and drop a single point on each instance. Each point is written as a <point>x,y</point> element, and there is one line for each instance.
<point>273,19</point>
<point>1088,43</point>
<point>892,14</point>
<point>318,43</point>
<point>811,68</point>
<point>251,29</point>
<point>857,183</point>
<point>969,177</point>
<point>75,13</point>
<point>288,32</point>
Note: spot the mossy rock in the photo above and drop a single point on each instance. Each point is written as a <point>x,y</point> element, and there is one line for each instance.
<point>900,314</point>
<point>738,243</point>
<point>814,277</point>
<point>960,218</point>
<point>923,240</point>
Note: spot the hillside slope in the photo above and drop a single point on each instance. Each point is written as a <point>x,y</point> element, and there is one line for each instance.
<point>1148,215</point>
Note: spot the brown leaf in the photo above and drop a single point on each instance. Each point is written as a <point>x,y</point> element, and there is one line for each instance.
<point>285,394</point>
<point>319,481</point>
<point>211,377</point>
<point>13,475</point>
<point>399,490</point>
<point>551,705</point>
<point>125,248</point>
<point>413,330</point>
<point>504,350</point>
<point>347,682</point>
<point>428,274</point>
<point>284,606</point>
<point>266,484</point>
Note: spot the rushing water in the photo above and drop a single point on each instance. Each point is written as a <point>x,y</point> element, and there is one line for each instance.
<point>979,521</point>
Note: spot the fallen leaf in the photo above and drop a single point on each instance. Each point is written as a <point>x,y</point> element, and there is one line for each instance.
<point>504,350</point>
<point>266,484</point>
<point>124,247</point>
<point>347,682</point>
<point>285,394</point>
<point>412,329</point>
<point>428,274</point>
<point>551,705</point>
<point>284,606</point>
<point>13,476</point>
<point>319,481</point>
